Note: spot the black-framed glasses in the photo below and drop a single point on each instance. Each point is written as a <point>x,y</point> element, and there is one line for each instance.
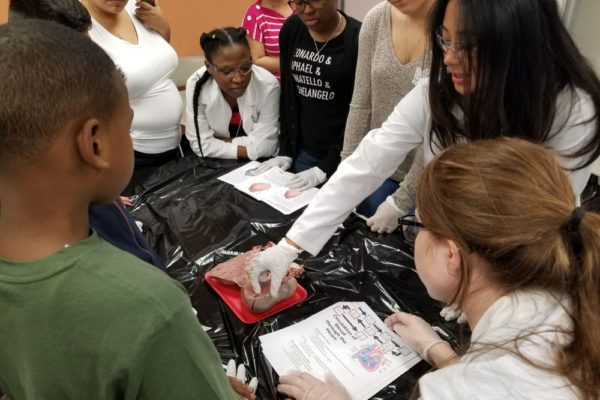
<point>458,48</point>
<point>410,228</point>
<point>300,5</point>
<point>244,69</point>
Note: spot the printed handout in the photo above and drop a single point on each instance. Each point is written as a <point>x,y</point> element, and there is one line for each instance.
<point>346,339</point>
<point>269,187</point>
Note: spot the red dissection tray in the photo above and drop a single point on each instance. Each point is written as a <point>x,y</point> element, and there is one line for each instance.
<point>232,295</point>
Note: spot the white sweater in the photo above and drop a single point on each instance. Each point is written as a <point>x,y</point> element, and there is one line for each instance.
<point>153,96</point>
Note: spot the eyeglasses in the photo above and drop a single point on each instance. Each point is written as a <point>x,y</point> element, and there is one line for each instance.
<point>410,227</point>
<point>300,5</point>
<point>459,49</point>
<point>244,69</point>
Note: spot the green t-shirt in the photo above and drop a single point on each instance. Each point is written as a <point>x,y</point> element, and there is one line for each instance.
<point>93,322</point>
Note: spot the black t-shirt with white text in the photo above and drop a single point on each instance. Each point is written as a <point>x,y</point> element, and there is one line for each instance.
<point>323,81</point>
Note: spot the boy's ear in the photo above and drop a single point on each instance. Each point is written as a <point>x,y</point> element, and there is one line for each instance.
<point>90,144</point>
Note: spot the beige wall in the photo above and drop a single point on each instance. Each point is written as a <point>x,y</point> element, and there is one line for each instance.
<point>358,8</point>
<point>189,18</point>
<point>586,30</point>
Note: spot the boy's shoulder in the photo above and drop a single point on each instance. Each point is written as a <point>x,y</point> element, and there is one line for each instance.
<point>99,274</point>
<point>126,277</point>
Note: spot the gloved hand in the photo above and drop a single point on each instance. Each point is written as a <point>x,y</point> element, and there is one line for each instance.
<point>282,162</point>
<point>276,259</point>
<point>303,386</point>
<point>237,380</point>
<point>452,312</point>
<point>385,219</point>
<point>307,179</point>
<point>415,331</point>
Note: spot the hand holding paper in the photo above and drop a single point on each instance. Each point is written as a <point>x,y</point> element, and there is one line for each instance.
<point>415,331</point>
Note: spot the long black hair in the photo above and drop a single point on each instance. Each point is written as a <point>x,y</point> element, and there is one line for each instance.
<point>524,58</point>
<point>210,43</point>
<point>70,13</point>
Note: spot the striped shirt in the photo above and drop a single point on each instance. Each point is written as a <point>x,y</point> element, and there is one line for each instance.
<point>263,25</point>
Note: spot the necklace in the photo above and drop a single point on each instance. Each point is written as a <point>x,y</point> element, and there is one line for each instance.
<point>319,50</point>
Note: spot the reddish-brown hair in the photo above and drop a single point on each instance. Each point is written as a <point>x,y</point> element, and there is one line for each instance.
<point>509,201</point>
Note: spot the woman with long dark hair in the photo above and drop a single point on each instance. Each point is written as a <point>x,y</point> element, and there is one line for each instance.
<point>500,68</point>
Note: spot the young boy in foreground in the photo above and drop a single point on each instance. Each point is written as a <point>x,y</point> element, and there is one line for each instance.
<point>80,319</point>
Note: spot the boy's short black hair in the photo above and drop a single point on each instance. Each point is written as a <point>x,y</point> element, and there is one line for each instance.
<point>49,75</point>
<point>70,13</point>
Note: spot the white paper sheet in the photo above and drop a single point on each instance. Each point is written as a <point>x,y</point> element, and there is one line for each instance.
<point>346,339</point>
<point>275,194</point>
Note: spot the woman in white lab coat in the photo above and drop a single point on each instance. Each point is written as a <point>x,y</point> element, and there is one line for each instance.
<point>232,108</point>
<point>499,68</point>
<point>526,277</point>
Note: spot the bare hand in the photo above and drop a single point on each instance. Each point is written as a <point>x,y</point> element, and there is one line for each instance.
<point>246,392</point>
<point>236,374</point>
<point>154,18</point>
<point>126,201</point>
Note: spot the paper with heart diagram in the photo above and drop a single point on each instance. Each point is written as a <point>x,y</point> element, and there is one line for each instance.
<point>346,339</point>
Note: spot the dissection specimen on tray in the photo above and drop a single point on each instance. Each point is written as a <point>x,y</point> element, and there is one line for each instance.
<point>233,272</point>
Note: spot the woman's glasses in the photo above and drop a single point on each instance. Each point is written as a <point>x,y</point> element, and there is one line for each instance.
<point>244,69</point>
<point>300,5</point>
<point>459,49</point>
<point>410,228</point>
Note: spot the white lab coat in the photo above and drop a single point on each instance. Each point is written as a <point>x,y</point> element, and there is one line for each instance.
<point>259,109</point>
<point>383,149</point>
<point>490,373</point>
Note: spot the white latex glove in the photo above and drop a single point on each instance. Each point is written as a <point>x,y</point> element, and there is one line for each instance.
<point>415,331</point>
<point>307,179</point>
<point>385,219</point>
<point>452,312</point>
<point>276,259</point>
<point>303,386</point>
<point>237,380</point>
<point>276,162</point>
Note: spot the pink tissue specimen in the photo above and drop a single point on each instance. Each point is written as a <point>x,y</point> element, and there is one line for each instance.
<point>257,187</point>
<point>290,194</point>
<point>233,271</point>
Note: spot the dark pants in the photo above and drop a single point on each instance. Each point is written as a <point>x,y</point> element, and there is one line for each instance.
<point>370,204</point>
<point>154,160</point>
<point>305,161</point>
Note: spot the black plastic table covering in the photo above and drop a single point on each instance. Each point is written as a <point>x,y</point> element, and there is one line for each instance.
<point>195,221</point>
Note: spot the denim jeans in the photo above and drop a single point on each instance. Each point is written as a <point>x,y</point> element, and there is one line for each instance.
<point>370,204</point>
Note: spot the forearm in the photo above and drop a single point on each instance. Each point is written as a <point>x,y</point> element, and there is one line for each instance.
<point>165,32</point>
<point>242,152</point>
<point>270,63</point>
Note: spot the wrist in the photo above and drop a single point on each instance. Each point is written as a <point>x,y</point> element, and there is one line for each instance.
<point>392,203</point>
<point>439,353</point>
<point>290,244</point>
<point>322,176</point>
